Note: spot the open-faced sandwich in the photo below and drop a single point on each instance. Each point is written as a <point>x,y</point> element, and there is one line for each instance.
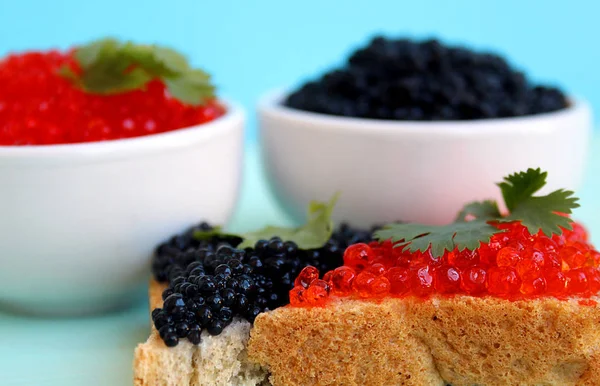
<point>499,297</point>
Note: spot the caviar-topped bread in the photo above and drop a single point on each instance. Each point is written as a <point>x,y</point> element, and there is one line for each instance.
<point>509,313</point>
<point>206,293</point>
<point>492,299</point>
<point>461,340</point>
<point>210,360</point>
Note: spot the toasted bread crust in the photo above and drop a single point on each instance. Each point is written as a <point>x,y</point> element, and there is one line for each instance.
<point>461,340</point>
<point>155,290</point>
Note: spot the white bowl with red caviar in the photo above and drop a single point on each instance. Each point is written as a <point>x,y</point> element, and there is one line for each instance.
<point>415,171</point>
<point>80,220</point>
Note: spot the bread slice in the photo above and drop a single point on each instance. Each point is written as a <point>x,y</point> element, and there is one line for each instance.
<point>217,361</point>
<point>461,340</point>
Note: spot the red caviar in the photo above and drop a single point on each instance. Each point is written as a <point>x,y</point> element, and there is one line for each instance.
<point>513,265</point>
<point>40,107</point>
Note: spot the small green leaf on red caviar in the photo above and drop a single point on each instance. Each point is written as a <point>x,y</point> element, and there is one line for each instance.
<point>536,213</point>
<point>522,185</point>
<point>416,237</point>
<point>517,265</point>
<point>109,66</point>
<point>484,210</point>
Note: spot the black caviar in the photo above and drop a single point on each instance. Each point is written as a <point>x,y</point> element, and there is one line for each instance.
<point>168,254</point>
<point>211,281</point>
<point>425,80</point>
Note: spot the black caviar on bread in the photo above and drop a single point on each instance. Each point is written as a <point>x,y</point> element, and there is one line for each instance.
<point>211,281</point>
<point>425,81</point>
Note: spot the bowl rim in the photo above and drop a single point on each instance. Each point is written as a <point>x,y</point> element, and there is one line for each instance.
<point>270,104</point>
<point>179,138</point>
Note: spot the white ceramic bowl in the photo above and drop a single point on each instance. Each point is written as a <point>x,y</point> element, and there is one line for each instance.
<point>412,171</point>
<point>79,222</point>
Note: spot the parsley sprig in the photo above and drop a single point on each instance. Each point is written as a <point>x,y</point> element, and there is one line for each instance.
<point>314,234</point>
<point>109,66</point>
<point>473,224</point>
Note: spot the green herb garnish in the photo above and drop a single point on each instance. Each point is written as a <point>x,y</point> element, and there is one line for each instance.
<point>472,227</point>
<point>216,231</point>
<point>314,234</point>
<point>536,213</point>
<point>109,66</point>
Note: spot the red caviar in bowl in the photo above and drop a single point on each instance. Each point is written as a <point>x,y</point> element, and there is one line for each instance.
<point>38,106</point>
<point>513,265</point>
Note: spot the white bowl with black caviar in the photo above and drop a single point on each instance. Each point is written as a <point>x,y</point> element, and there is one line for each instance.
<point>446,142</point>
<point>79,221</point>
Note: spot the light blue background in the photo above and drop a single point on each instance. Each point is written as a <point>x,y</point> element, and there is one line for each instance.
<point>253,46</point>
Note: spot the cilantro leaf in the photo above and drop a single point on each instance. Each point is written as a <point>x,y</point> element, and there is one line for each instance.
<point>201,235</point>
<point>109,82</point>
<point>190,87</point>
<point>170,60</point>
<point>89,54</point>
<point>105,70</point>
<point>537,213</point>
<point>522,185</point>
<point>417,237</point>
<point>314,234</point>
<point>108,66</point>
<point>541,213</point>
<point>68,73</point>
<point>481,210</point>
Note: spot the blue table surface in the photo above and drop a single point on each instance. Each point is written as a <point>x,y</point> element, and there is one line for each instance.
<point>99,350</point>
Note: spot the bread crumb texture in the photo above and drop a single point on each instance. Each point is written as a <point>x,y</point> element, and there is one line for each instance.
<point>220,360</point>
<point>460,340</point>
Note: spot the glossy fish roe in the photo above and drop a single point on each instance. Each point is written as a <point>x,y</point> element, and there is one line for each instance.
<point>410,80</point>
<point>40,107</point>
<point>513,265</point>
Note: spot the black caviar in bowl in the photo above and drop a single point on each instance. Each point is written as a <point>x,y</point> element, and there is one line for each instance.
<point>425,81</point>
